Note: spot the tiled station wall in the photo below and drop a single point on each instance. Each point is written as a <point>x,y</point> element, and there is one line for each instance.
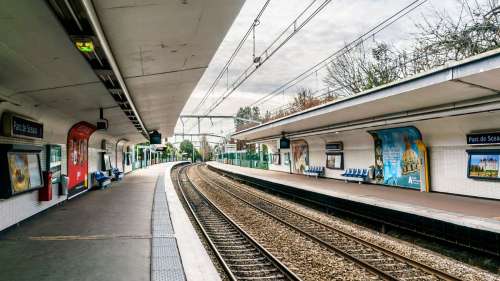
<point>20,207</point>
<point>446,142</point>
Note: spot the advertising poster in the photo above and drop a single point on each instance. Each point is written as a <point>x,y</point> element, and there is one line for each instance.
<point>300,151</point>
<point>401,158</point>
<point>78,137</point>
<point>484,165</point>
<point>24,171</point>
<point>19,172</point>
<point>107,162</point>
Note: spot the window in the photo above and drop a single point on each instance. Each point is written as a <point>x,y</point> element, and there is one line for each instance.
<point>335,160</point>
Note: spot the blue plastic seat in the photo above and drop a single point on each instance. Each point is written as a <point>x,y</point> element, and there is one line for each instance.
<point>117,174</point>
<point>346,173</point>
<point>365,173</point>
<point>103,180</point>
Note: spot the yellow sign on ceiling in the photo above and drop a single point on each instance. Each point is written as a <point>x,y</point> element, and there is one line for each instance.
<point>85,46</point>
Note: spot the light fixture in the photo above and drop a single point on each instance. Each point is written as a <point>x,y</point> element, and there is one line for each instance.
<point>85,45</point>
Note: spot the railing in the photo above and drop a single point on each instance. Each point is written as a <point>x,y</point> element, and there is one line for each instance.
<point>245,159</point>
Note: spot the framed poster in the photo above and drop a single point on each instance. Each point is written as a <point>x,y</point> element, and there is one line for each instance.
<point>107,162</point>
<point>25,171</point>
<point>276,159</point>
<point>484,164</point>
<point>335,160</point>
<point>300,152</point>
<point>19,171</point>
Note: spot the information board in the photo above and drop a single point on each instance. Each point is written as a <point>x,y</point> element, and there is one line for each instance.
<point>17,126</point>
<point>483,138</point>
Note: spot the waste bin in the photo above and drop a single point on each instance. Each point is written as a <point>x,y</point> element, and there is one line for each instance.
<point>63,186</point>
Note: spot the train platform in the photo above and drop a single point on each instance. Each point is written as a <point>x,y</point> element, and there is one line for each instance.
<point>464,217</point>
<point>135,230</point>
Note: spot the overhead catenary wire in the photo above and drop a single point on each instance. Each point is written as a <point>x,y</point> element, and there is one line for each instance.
<point>356,42</point>
<point>295,27</point>
<point>225,69</point>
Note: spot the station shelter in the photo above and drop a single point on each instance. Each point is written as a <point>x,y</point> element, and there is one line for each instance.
<point>437,132</point>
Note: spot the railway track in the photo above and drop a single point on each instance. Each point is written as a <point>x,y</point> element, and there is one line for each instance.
<point>382,262</point>
<point>241,257</point>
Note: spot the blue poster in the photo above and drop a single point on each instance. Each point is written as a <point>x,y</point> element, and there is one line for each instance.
<point>400,158</point>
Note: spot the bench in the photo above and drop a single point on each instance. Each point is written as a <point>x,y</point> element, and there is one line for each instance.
<point>103,180</point>
<point>117,174</point>
<point>360,174</point>
<point>314,171</point>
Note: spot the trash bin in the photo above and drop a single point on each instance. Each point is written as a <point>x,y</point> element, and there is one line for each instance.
<point>371,172</point>
<point>63,185</point>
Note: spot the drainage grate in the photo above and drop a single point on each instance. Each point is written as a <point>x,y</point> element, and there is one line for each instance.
<point>166,262</point>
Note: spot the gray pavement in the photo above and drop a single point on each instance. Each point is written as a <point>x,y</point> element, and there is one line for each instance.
<point>101,235</point>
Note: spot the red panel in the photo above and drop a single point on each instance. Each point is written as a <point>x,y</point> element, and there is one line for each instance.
<point>78,141</point>
<point>45,194</point>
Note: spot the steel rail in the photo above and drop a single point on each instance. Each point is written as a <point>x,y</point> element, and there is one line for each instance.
<point>425,268</point>
<point>280,266</point>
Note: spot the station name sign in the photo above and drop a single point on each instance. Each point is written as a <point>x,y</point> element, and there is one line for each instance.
<point>483,138</point>
<point>17,126</point>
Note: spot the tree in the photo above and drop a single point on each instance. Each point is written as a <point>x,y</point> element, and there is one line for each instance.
<point>440,38</point>
<point>186,147</point>
<point>304,100</point>
<point>248,115</point>
<point>356,70</point>
<point>170,151</point>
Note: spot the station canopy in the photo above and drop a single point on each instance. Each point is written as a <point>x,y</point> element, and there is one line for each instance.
<point>161,47</point>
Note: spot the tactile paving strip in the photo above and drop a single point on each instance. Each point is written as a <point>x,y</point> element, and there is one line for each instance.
<point>166,262</point>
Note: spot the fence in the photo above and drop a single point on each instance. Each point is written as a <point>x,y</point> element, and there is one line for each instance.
<point>245,159</point>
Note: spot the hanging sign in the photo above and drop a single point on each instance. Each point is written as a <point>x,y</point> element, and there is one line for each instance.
<point>155,137</point>
<point>483,138</point>
<point>17,126</point>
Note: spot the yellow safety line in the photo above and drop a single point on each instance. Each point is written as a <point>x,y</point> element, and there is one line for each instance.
<point>89,237</point>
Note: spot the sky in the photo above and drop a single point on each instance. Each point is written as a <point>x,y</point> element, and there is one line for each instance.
<point>340,22</point>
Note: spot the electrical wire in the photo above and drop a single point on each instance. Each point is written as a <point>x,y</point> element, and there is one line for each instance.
<point>270,51</point>
<point>356,42</point>
<point>225,69</point>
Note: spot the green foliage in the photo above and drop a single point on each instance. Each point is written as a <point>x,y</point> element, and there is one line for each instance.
<point>188,148</point>
<point>247,114</point>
